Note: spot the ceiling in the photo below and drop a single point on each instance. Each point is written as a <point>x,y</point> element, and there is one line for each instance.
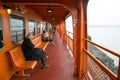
<point>59,12</point>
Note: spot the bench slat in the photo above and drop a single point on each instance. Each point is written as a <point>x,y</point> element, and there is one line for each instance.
<point>38,43</point>
<point>28,65</point>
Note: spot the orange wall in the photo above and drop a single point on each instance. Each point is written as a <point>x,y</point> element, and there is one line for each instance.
<point>6,69</point>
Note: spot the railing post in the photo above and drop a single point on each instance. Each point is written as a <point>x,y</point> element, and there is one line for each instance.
<point>119,70</point>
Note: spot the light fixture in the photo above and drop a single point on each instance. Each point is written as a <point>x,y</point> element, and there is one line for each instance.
<point>49,10</point>
<point>7,8</point>
<point>21,9</point>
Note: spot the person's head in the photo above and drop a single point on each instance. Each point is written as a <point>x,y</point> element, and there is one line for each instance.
<point>44,31</point>
<point>29,36</point>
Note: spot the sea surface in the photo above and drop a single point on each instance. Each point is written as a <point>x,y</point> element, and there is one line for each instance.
<point>108,37</point>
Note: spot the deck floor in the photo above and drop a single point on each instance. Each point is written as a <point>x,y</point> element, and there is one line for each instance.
<point>60,61</point>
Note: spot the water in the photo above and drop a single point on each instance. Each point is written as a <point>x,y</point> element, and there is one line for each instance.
<point>108,37</point>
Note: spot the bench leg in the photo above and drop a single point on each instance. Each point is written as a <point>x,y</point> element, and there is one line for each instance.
<point>21,73</point>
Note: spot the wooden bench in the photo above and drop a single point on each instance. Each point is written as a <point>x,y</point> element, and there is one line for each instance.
<point>19,62</point>
<point>38,42</point>
<point>18,59</point>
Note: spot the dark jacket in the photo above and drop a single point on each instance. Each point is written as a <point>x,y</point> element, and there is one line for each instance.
<point>30,52</point>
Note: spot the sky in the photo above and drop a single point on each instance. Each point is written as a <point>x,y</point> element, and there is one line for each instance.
<point>103,13</point>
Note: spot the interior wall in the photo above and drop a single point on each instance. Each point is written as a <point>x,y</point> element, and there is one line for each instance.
<point>6,69</point>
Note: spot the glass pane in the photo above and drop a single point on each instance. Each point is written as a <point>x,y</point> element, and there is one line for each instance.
<point>38,27</point>
<point>17,28</point>
<point>69,25</point>
<point>43,26</point>
<point>1,34</point>
<point>49,27</point>
<point>31,24</point>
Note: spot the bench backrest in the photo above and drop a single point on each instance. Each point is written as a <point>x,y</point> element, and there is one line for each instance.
<point>37,41</point>
<point>17,56</point>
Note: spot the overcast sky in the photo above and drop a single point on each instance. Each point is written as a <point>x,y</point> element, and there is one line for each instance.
<point>103,13</point>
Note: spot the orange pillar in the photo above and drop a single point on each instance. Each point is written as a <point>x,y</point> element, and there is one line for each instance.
<point>82,17</point>
<point>80,32</point>
<point>85,45</point>
<point>63,30</point>
<point>58,28</point>
<point>76,43</point>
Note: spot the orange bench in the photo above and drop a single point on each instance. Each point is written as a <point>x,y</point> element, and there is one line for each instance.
<point>38,42</point>
<point>18,59</point>
<point>19,62</point>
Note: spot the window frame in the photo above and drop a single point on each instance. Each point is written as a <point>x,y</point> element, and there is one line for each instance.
<point>31,20</point>
<point>38,26</point>
<point>2,32</point>
<point>23,28</point>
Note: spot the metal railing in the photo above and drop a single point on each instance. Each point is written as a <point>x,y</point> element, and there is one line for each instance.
<point>100,71</point>
<point>69,40</point>
<point>97,69</point>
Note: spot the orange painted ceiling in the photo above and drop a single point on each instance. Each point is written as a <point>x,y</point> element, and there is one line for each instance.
<point>59,13</point>
<point>40,6</point>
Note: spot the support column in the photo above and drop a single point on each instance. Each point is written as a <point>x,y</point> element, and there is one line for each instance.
<point>80,32</point>
<point>82,16</point>
<point>76,43</point>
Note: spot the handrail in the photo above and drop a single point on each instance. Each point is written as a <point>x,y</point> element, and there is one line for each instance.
<point>108,50</point>
<point>69,32</point>
<point>70,37</point>
<point>69,40</point>
<point>108,71</point>
<point>102,66</point>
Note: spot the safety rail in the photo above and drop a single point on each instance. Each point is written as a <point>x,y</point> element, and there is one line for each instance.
<point>101,72</point>
<point>69,40</point>
<point>101,65</point>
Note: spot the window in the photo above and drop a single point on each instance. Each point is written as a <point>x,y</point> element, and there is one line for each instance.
<point>69,24</point>
<point>43,26</point>
<point>1,34</point>
<point>17,27</point>
<point>38,27</point>
<point>49,27</point>
<point>31,24</point>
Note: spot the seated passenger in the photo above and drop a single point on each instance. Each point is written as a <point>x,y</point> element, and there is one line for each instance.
<point>53,29</point>
<point>32,53</point>
<point>46,37</point>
